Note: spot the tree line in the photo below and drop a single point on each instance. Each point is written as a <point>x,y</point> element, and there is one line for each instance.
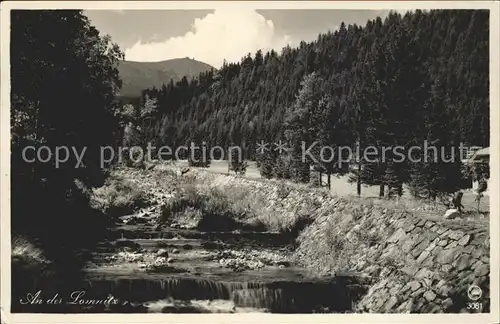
<point>64,81</point>
<point>402,80</point>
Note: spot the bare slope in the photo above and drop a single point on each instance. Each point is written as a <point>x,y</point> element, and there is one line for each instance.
<point>137,76</point>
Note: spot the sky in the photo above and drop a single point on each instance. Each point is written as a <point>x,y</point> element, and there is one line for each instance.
<point>211,36</point>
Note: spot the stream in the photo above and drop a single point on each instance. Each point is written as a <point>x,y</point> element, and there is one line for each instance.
<point>173,270</point>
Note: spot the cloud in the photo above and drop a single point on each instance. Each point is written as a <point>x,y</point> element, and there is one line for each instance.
<point>225,34</point>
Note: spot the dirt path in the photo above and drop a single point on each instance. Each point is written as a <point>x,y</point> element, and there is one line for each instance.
<point>340,185</point>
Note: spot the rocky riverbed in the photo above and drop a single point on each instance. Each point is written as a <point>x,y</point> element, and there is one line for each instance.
<point>215,243</point>
<point>207,273</point>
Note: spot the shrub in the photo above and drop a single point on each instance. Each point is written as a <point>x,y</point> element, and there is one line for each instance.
<point>118,197</point>
<point>25,251</point>
<point>184,199</point>
<point>211,209</point>
<point>30,270</point>
<point>283,190</point>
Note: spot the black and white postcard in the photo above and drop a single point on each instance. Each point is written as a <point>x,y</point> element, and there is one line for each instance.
<point>250,161</point>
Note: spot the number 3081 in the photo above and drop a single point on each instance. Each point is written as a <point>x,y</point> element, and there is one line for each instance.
<point>474,306</point>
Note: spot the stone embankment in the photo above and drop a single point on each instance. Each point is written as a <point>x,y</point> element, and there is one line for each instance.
<point>415,263</point>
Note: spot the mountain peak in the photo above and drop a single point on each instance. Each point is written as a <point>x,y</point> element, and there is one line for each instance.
<point>137,76</point>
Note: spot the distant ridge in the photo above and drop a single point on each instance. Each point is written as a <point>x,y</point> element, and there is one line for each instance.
<point>137,76</point>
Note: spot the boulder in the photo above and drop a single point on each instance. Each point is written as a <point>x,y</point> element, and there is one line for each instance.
<point>284,264</point>
<point>162,253</point>
<point>451,213</point>
<point>122,243</point>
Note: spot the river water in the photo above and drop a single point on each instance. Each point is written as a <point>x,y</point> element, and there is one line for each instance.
<point>209,272</point>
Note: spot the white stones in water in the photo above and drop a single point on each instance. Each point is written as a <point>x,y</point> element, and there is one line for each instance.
<point>129,256</point>
<point>160,260</point>
<point>250,259</point>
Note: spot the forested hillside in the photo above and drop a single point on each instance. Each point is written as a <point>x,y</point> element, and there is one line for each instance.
<point>398,81</point>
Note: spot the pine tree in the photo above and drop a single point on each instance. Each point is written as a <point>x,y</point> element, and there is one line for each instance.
<point>267,160</point>
<point>236,161</point>
<point>298,126</point>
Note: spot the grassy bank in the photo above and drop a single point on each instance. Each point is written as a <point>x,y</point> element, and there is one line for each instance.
<point>119,196</point>
<point>209,204</point>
